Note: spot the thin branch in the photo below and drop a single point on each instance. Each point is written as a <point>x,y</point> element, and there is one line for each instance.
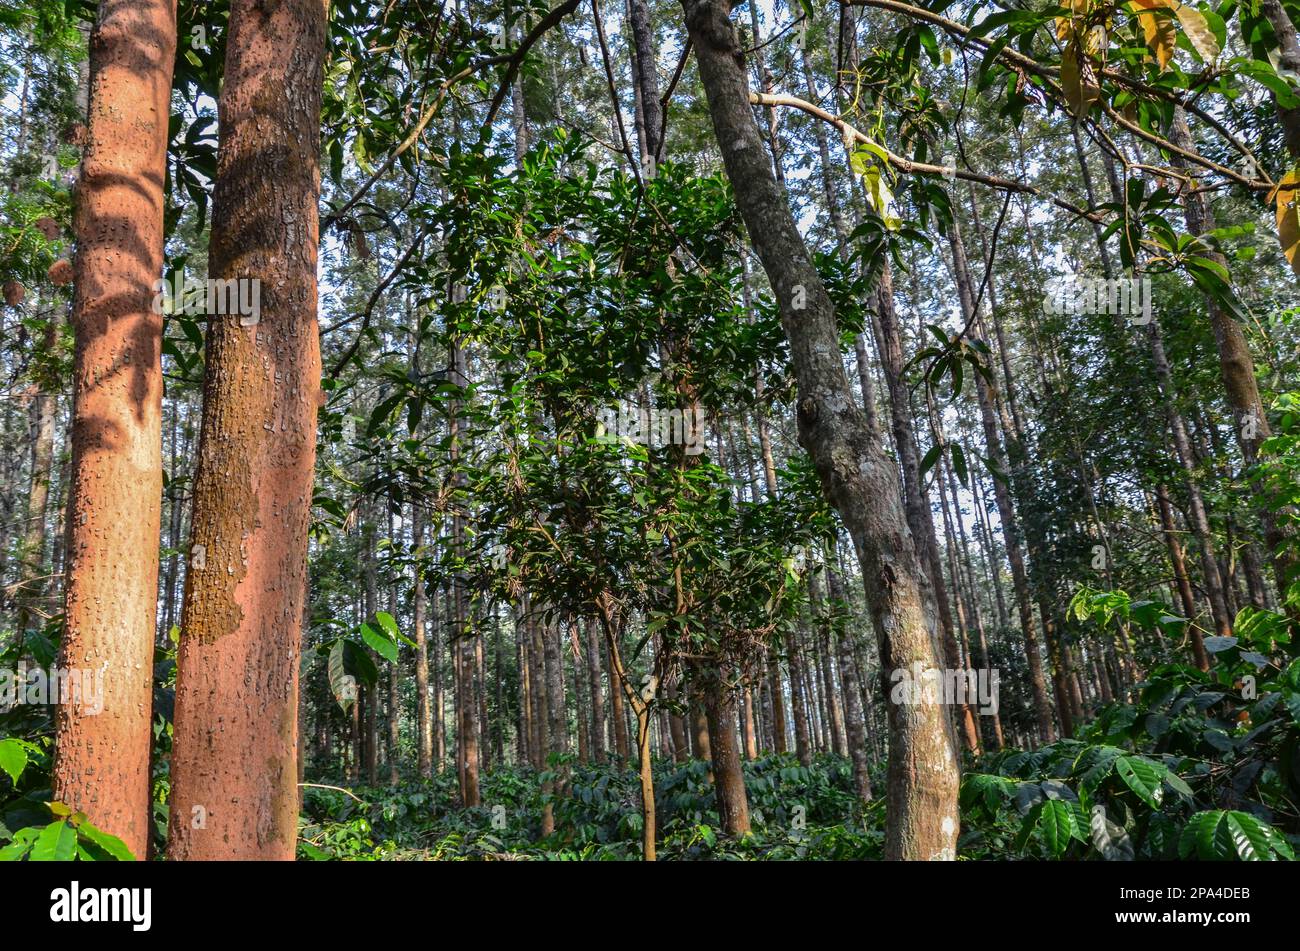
<point>346,792</point>
<point>668,94</point>
<point>909,166</point>
<point>1049,73</point>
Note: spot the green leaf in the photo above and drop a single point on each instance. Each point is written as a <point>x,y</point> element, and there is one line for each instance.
<point>1216,644</point>
<point>1109,838</point>
<point>21,844</point>
<point>390,627</point>
<point>1176,783</point>
<point>1057,825</point>
<point>931,458</point>
<point>1143,777</point>
<point>1206,837</point>
<point>1251,838</point>
<point>57,842</point>
<point>342,684</point>
<point>109,843</point>
<point>959,463</point>
<point>378,643</point>
<point>13,758</point>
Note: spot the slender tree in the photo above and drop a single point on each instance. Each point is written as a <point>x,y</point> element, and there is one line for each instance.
<point>115,505</point>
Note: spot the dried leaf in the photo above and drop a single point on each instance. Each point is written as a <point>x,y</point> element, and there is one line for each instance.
<point>1287,195</point>
<point>1198,31</point>
<point>1078,80</point>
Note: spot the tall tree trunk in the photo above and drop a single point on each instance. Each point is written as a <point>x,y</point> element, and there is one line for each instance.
<point>371,692</point>
<point>853,719</point>
<point>620,684</point>
<point>557,719</point>
<point>1200,521</point>
<point>748,722</point>
<point>992,564</point>
<point>419,619</point>
<point>1236,363</point>
<point>101,761</point>
<point>699,724</point>
<point>857,477</point>
<point>236,724</point>
<point>33,581</point>
<point>965,588</point>
<point>597,693</point>
<point>920,519</point>
<point>618,718</point>
<point>464,644</point>
<point>579,715</point>
<point>646,77</point>
<point>728,775</point>
<point>537,741</point>
<point>798,703</point>
<point>1288,60</point>
<point>439,710</point>
<point>1182,581</point>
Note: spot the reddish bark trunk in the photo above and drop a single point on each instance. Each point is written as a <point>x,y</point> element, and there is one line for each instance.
<point>233,769</point>
<point>101,762</point>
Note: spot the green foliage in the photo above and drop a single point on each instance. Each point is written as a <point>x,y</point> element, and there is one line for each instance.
<point>798,812</point>
<point>1201,765</point>
<point>70,836</point>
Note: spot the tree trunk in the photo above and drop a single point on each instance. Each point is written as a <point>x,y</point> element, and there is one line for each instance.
<point>1288,48</point>
<point>101,762</point>
<point>464,644</point>
<point>798,703</point>
<point>33,581</point>
<point>419,611</point>
<point>919,517</point>
<point>646,77</point>
<point>1200,521</point>
<point>1236,363</point>
<point>236,695</point>
<point>728,775</point>
<point>371,692</point>
<point>853,720</point>
<point>618,716</point>
<point>965,588</point>
<point>557,720</point>
<point>857,477</point>
<point>596,692</point>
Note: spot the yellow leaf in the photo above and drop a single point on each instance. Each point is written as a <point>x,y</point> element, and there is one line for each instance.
<point>882,199</point>
<point>1198,32</point>
<point>1288,216</point>
<point>1065,25</point>
<point>1158,30</point>
<point>1077,80</point>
